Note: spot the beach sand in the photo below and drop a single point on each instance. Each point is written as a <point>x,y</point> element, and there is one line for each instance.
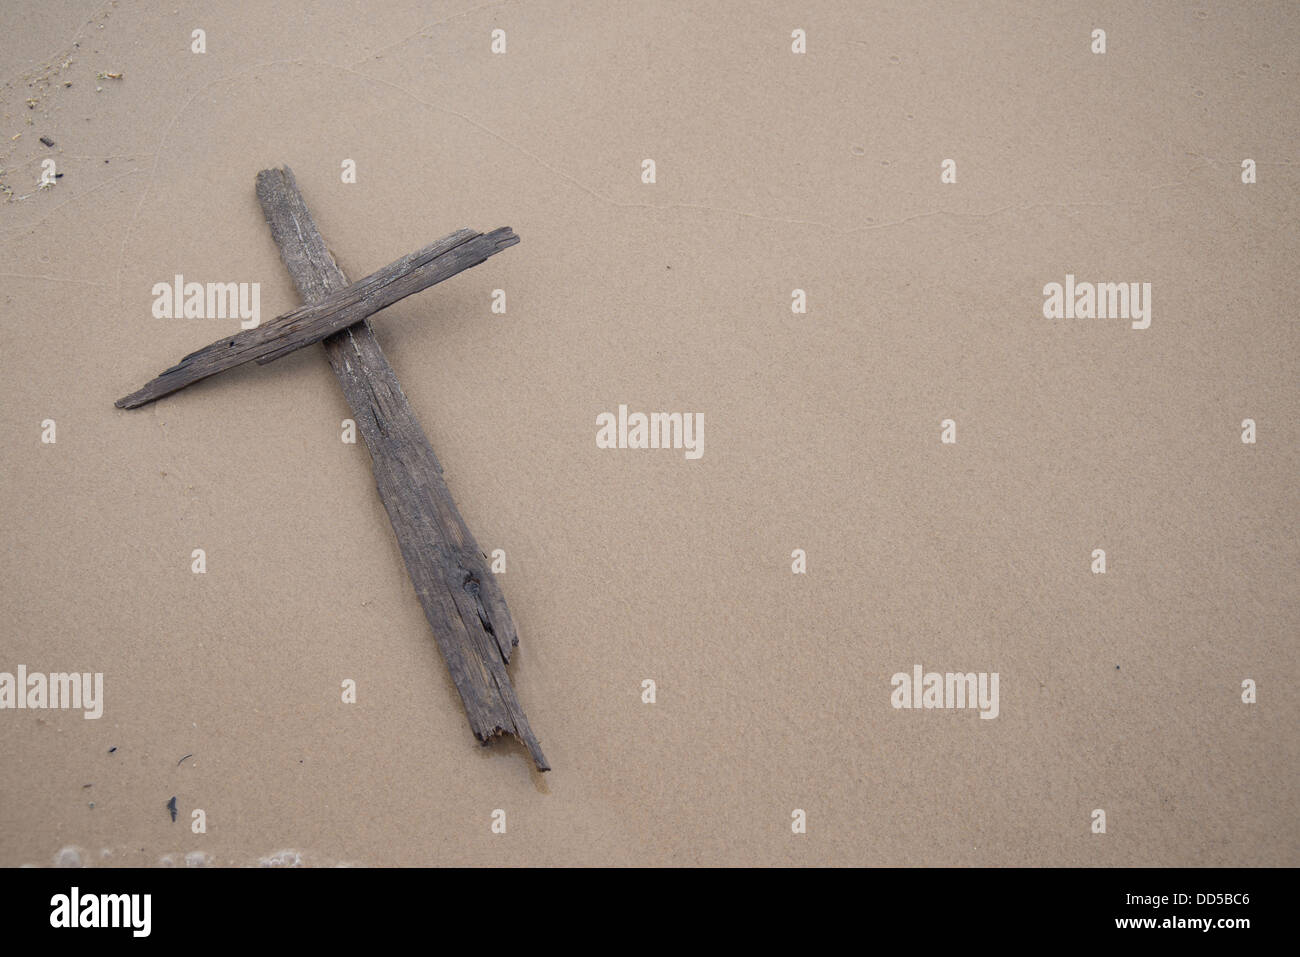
<point>774,171</point>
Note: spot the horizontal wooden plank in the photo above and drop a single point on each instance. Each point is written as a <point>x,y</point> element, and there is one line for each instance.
<point>341,308</point>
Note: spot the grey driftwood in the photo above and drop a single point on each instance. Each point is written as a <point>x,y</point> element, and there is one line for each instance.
<point>461,597</point>
<point>342,307</point>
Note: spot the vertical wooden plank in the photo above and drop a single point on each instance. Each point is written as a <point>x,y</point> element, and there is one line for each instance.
<point>461,597</point>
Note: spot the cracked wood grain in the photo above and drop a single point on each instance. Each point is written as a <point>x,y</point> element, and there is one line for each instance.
<point>341,307</point>
<point>461,598</point>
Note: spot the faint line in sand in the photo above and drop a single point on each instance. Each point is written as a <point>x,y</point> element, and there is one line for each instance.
<point>843,230</point>
<point>71,199</point>
<point>572,180</point>
<point>85,159</point>
<point>82,282</point>
<point>376,54</point>
<point>65,51</point>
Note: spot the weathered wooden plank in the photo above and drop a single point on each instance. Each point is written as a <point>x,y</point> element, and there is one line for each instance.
<point>341,308</point>
<point>461,597</point>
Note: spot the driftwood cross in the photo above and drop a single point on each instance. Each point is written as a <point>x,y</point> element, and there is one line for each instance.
<point>460,596</point>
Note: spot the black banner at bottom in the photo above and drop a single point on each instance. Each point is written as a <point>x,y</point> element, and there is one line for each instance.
<point>925,906</point>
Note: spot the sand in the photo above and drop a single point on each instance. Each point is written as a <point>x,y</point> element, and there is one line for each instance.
<point>774,171</point>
